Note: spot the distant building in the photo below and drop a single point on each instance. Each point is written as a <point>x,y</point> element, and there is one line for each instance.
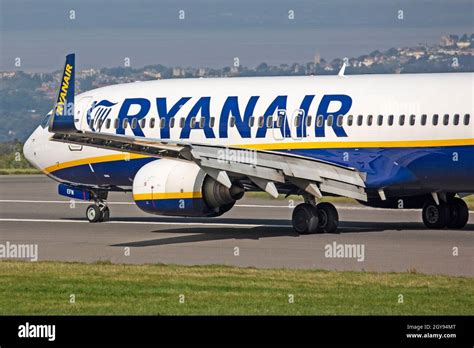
<point>88,72</point>
<point>7,74</point>
<point>202,72</point>
<point>317,59</point>
<point>463,44</point>
<point>178,72</point>
<point>415,52</point>
<point>153,74</point>
<point>447,40</point>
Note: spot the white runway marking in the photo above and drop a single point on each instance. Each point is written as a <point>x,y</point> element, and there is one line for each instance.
<point>207,224</point>
<point>341,207</point>
<point>56,202</point>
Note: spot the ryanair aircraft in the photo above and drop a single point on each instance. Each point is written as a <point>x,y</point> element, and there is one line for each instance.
<point>193,147</point>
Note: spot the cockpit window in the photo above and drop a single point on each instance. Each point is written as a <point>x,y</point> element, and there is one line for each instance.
<point>45,121</point>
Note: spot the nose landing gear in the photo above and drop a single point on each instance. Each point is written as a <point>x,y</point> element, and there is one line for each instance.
<point>99,211</point>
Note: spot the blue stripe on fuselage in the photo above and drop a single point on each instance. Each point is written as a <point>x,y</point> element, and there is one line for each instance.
<point>448,168</point>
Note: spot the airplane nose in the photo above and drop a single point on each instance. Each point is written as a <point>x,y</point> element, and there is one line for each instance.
<point>29,152</point>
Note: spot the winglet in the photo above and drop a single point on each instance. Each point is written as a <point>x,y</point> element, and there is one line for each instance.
<point>343,69</point>
<point>63,112</point>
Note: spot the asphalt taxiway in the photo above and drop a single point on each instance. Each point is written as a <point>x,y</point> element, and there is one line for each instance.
<point>256,232</point>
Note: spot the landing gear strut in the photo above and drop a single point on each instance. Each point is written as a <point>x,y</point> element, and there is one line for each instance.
<point>99,211</point>
<point>309,217</point>
<point>452,214</point>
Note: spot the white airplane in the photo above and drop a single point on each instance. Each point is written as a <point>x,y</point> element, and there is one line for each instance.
<point>193,147</point>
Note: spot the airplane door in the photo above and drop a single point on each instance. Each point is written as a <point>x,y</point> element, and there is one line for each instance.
<point>295,123</point>
<point>278,123</point>
<point>80,111</point>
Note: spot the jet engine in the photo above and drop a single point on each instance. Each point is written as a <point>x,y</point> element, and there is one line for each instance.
<point>181,188</point>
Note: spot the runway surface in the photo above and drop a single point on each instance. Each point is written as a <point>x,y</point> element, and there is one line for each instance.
<point>257,232</point>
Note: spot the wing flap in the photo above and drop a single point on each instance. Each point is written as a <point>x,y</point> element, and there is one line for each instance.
<point>261,167</point>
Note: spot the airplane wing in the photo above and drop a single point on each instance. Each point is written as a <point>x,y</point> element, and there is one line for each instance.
<point>265,169</point>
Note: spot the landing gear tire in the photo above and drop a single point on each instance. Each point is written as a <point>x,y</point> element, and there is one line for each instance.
<point>105,214</point>
<point>458,213</point>
<point>435,216</point>
<point>328,218</point>
<point>93,213</point>
<point>305,219</point>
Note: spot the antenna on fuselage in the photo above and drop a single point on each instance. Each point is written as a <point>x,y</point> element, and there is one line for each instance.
<point>343,69</point>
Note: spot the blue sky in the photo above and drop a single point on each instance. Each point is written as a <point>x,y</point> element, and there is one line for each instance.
<point>213,32</point>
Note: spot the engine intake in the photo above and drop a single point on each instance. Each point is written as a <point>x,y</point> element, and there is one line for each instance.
<point>181,188</point>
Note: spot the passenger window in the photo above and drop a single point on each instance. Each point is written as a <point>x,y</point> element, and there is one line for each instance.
<point>193,122</point>
<point>152,122</point>
<point>412,120</point>
<point>181,122</point>
<point>390,120</point>
<point>369,120</point>
<point>143,122</point>
<point>297,121</point>
<point>330,120</point>
<point>456,119</point>
<point>162,123</point>
<point>446,119</point>
<point>350,120</point>
<point>401,120</point>
<point>172,122</point>
<point>91,123</point>
<point>212,121</point>
<point>107,123</point>
<point>339,120</point>
<point>125,123</point>
<point>435,119</point>
<point>251,121</point>
<point>232,121</point>
<point>269,121</point>
<point>319,121</point>
<point>309,119</point>
<point>380,120</point>
<point>116,122</point>
<point>279,121</point>
<point>467,118</point>
<point>202,123</point>
<point>134,123</point>
<point>359,120</point>
<point>260,122</point>
<point>423,119</point>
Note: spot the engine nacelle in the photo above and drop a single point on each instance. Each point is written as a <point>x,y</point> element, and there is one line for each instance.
<point>181,188</point>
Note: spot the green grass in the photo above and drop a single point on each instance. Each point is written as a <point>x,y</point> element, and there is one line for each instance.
<point>104,288</point>
<point>15,171</point>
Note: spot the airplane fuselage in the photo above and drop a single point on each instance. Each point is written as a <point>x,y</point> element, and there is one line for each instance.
<point>409,133</point>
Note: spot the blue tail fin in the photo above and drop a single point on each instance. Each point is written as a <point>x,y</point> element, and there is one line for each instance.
<point>63,112</point>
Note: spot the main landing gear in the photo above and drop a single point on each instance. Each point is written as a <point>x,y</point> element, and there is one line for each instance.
<point>309,217</point>
<point>99,211</point>
<point>451,213</point>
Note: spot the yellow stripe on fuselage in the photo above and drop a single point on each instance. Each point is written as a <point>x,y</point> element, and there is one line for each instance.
<point>166,195</point>
<point>294,145</point>
<point>356,144</point>
<point>92,160</point>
